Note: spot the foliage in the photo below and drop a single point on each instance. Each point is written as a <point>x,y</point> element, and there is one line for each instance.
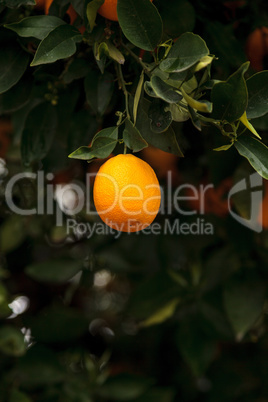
<point>142,317</point>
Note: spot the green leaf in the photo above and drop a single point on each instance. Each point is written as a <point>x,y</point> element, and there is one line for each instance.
<point>101,148</point>
<point>12,233</point>
<point>185,17</point>
<point>160,117</point>
<point>197,349</point>
<point>110,132</point>
<point>224,147</point>
<point>53,271</point>
<point>13,63</point>
<point>151,295</point>
<point>99,90</point>
<point>111,51</point>
<point>140,22</point>
<point>17,97</point>
<point>58,324</point>
<point>137,96</point>
<point>247,124</point>
<point>124,387</point>
<point>79,68</point>
<point>36,143</point>
<point>243,300</point>
<point>92,8</point>
<point>12,341</point>
<point>39,368</point>
<point>132,137</point>
<point>58,44</point>
<point>257,95</point>
<point>166,141</point>
<point>18,3</point>
<point>201,106</point>
<point>188,50</point>
<point>18,396</point>
<point>149,89</point>
<point>162,314</point>
<point>230,97</point>
<point>38,26</point>
<point>158,394</point>
<point>255,152</point>
<point>164,91</point>
<point>178,113</point>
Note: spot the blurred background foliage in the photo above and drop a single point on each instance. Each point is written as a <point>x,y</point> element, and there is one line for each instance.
<point>142,317</point>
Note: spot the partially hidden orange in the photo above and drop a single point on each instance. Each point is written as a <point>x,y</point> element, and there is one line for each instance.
<point>257,47</point>
<point>109,10</point>
<point>126,193</point>
<point>70,12</point>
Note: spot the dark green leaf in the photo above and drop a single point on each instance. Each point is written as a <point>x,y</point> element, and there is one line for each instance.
<point>111,51</point>
<point>18,3</point>
<point>166,141</point>
<point>137,96</point>
<point>132,137</point>
<point>12,341</point>
<point>101,148</point>
<point>257,95</point>
<point>92,9</point>
<point>110,132</point>
<point>124,387</point>
<point>38,133</point>
<point>151,295</point>
<point>140,22</point>
<point>149,89</point>
<point>160,117</point>
<point>13,63</point>
<point>185,17</point>
<point>230,97</point>
<point>243,300</point>
<point>255,152</point>
<point>38,26</point>
<point>99,90</point>
<point>164,91</point>
<point>12,233</point>
<point>18,396</point>
<point>58,44</point>
<point>79,68</point>
<point>53,271</point>
<point>195,346</point>
<point>39,367</point>
<point>17,97</point>
<point>157,394</point>
<point>186,52</point>
<point>59,324</point>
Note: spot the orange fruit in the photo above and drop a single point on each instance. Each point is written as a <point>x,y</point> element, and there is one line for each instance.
<point>109,10</point>
<point>257,48</point>
<point>126,193</point>
<point>263,212</point>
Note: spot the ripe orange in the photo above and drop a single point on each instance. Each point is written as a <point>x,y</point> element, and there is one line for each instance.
<point>126,193</point>
<point>109,10</point>
<point>263,211</point>
<point>257,48</point>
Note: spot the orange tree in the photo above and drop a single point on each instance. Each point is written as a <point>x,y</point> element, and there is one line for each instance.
<point>175,313</point>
